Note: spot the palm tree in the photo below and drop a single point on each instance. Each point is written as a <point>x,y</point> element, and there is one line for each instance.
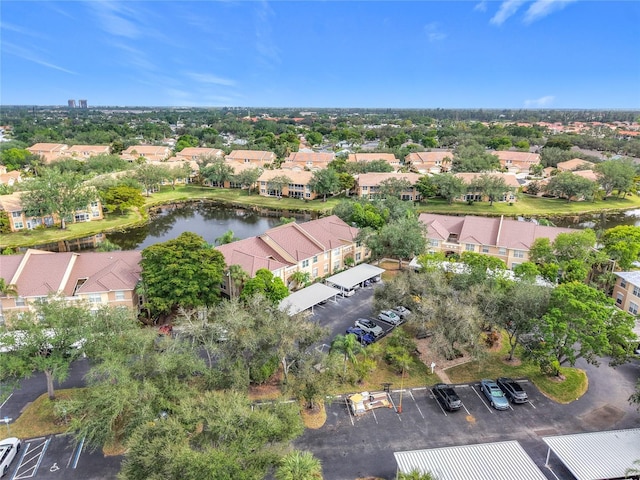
<point>237,279</point>
<point>299,278</point>
<point>299,465</point>
<point>415,475</point>
<point>347,345</point>
<point>7,290</point>
<point>226,237</point>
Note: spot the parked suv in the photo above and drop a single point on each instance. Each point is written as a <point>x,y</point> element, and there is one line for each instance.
<point>369,326</point>
<point>389,317</point>
<point>512,390</point>
<point>9,448</point>
<point>447,396</point>
<point>402,312</point>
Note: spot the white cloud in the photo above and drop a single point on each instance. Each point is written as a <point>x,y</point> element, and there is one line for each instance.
<point>112,18</point>
<point>434,34</point>
<point>545,101</point>
<point>30,56</point>
<point>265,44</point>
<point>541,8</point>
<point>481,7</point>
<point>210,78</point>
<point>506,10</point>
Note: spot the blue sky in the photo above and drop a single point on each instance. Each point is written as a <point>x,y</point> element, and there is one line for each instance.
<point>415,54</point>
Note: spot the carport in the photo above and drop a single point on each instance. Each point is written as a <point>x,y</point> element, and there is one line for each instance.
<point>597,455</point>
<point>485,461</point>
<point>351,277</point>
<point>307,298</point>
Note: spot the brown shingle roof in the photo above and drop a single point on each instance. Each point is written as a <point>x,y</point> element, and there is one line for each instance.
<point>509,178</point>
<point>390,158</point>
<point>313,157</point>
<point>374,178</point>
<point>428,157</point>
<point>252,254</point>
<point>254,155</point>
<point>573,164</point>
<point>105,271</point>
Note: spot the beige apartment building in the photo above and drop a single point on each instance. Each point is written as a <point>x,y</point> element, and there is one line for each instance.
<point>626,291</point>
<point>368,184</point>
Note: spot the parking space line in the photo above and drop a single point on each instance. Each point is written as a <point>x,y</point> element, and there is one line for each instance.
<point>77,454</point>
<point>11,395</point>
<point>433,395</point>
<point>31,470</point>
<point>417,389</point>
<point>530,403</point>
<point>417,406</point>
<point>482,400</point>
<point>374,416</point>
<point>346,402</point>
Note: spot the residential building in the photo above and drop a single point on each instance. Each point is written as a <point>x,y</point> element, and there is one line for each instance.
<point>9,178</point>
<point>198,153</point>
<point>108,278</point>
<point>298,187</point>
<point>19,221</point>
<point>390,158</point>
<point>318,247</point>
<point>506,239</point>
<point>429,162</point>
<point>575,164</point>
<point>150,153</point>
<point>368,184</point>
<point>626,291</point>
<point>48,151</point>
<point>517,162</point>
<point>86,151</point>
<point>509,179</point>
<point>258,158</point>
<point>308,160</point>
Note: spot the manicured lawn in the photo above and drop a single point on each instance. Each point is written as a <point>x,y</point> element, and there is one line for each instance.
<point>530,206</point>
<point>38,418</point>
<point>573,386</point>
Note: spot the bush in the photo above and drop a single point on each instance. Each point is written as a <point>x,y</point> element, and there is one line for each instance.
<point>260,374</point>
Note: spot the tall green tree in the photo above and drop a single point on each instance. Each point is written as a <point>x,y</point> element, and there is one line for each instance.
<point>581,322</point>
<point>185,271</point>
<point>226,237</point>
<point>622,244</point>
<point>570,186</point>
<point>47,340</point>
<point>394,187</point>
<point>56,193</point>
<point>277,183</point>
<point>472,157</point>
<point>150,176</point>
<point>248,177</point>
<point>120,198</point>
<point>402,239</point>
<point>265,283</point>
<point>217,172</point>
<point>325,182</point>
<point>616,175</point>
<point>491,186</point>
<point>449,186</point>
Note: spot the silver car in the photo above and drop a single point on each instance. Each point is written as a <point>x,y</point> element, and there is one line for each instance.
<point>369,326</point>
<point>390,316</point>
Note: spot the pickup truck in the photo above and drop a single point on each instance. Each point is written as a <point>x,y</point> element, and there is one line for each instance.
<point>361,403</point>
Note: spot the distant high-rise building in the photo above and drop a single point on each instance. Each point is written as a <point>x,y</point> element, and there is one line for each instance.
<point>83,103</point>
<point>71,103</point>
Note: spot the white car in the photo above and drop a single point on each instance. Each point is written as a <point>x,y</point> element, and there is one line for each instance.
<point>369,326</point>
<point>389,317</point>
<point>402,312</point>
<point>9,448</point>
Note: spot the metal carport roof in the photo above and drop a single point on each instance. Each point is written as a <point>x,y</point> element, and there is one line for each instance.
<point>353,276</point>
<point>307,297</point>
<point>485,461</point>
<point>597,455</point>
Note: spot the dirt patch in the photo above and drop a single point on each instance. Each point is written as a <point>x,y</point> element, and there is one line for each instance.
<point>267,391</point>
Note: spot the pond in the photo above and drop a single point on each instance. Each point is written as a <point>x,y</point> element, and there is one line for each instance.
<point>600,221</point>
<point>208,220</point>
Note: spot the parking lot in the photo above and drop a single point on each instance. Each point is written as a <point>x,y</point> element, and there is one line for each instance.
<point>58,457</point>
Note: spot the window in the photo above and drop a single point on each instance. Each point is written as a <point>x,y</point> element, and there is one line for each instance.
<point>633,308</point>
<point>518,254</point>
<point>336,265</point>
<point>485,248</point>
<point>336,251</point>
<point>326,268</point>
<point>18,225</point>
<point>365,188</point>
<point>314,272</point>
<point>470,247</point>
<point>94,204</point>
<point>623,283</point>
<point>305,263</point>
<point>358,256</point>
<point>20,302</point>
<point>433,242</point>
<point>619,299</point>
<point>326,255</point>
<point>120,295</point>
<point>16,214</point>
<point>315,259</point>
<point>502,251</point>
<point>95,298</point>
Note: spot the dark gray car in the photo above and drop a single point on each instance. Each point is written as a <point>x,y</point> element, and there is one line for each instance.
<point>512,390</point>
<point>447,397</point>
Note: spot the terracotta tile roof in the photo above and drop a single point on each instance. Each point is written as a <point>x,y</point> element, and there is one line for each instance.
<point>10,178</point>
<point>372,179</point>
<point>302,177</point>
<point>286,245</point>
<point>88,150</point>
<point>430,158</point>
<point>588,174</point>
<point>496,232</point>
<point>191,153</point>
<point>254,155</point>
<point>312,157</point>
<point>40,148</point>
<point>573,164</point>
<point>39,273</point>
<point>390,158</point>
<point>11,203</point>
<point>147,150</point>
<point>509,178</point>
<point>106,271</point>
<point>521,158</point>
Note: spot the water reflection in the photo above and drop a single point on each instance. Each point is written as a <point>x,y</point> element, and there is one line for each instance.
<point>601,221</point>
